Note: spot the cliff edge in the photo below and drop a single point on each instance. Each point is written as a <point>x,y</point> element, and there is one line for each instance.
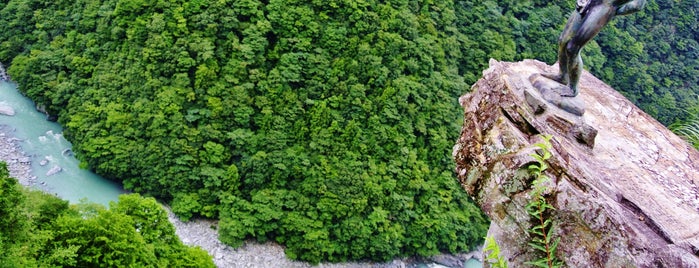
<point>625,189</point>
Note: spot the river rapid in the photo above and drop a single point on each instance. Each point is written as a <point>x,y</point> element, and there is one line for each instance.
<point>38,156</point>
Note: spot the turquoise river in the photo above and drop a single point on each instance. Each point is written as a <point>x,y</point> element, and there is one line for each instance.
<point>43,142</point>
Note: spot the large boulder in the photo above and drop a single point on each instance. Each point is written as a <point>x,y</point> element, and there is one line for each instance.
<point>6,110</point>
<point>625,189</point>
<point>54,170</point>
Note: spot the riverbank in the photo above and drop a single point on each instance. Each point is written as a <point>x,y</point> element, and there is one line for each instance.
<point>203,233</point>
<point>17,162</point>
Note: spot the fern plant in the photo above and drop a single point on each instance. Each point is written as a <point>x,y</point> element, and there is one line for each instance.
<point>542,233</point>
<point>493,257</point>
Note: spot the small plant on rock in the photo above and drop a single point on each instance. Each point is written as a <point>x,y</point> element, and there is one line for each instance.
<point>493,257</point>
<point>539,209</point>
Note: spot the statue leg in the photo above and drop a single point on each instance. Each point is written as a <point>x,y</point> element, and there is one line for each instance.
<point>574,23</point>
<point>575,66</point>
<point>562,76</point>
<point>590,26</point>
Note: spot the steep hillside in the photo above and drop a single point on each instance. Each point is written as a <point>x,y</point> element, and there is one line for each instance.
<point>38,229</point>
<point>323,125</point>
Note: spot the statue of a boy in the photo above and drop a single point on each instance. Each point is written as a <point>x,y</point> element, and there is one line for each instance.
<point>584,23</point>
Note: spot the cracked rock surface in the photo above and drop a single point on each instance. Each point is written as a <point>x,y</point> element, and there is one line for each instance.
<point>625,188</point>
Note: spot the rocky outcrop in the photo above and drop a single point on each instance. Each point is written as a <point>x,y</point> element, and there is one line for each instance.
<point>3,73</point>
<point>42,109</point>
<point>625,189</point>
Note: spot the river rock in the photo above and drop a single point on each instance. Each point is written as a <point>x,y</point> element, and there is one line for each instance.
<point>67,152</point>
<point>624,188</point>
<point>6,110</point>
<point>3,74</point>
<point>54,170</point>
<point>459,260</point>
<point>42,109</point>
<point>11,153</point>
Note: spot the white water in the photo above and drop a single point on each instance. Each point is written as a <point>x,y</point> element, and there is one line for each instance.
<point>43,140</point>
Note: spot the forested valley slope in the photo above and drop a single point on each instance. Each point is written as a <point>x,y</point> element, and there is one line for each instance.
<point>38,229</point>
<point>326,126</point>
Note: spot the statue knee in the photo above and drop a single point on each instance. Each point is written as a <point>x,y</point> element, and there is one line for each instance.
<point>572,49</point>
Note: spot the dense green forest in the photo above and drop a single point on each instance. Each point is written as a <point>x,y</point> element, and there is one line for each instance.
<point>326,126</point>
<point>40,230</point>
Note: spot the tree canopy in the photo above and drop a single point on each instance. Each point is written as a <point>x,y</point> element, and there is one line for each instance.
<point>40,230</point>
<point>326,126</point>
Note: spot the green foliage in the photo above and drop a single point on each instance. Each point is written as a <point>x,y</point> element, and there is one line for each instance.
<point>688,130</point>
<point>325,126</point>
<point>185,205</point>
<point>537,170</point>
<point>43,231</point>
<point>493,250</point>
<point>101,237</point>
<point>539,208</point>
<point>348,108</point>
<point>12,195</point>
<point>13,224</point>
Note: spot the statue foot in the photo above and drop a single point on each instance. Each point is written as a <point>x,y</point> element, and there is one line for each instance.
<point>557,94</point>
<point>555,77</point>
<point>566,91</point>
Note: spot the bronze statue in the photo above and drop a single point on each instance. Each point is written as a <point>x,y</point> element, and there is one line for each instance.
<point>584,23</point>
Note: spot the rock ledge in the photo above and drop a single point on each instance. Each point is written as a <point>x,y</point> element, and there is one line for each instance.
<point>625,188</point>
